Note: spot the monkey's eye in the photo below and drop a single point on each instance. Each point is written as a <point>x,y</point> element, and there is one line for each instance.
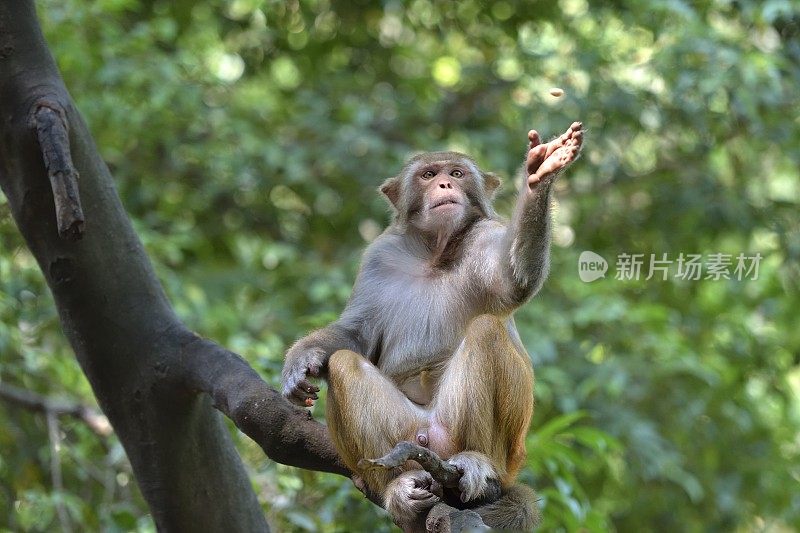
<point>456,173</point>
<point>428,174</point>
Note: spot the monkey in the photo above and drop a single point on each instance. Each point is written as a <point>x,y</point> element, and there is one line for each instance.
<point>426,349</point>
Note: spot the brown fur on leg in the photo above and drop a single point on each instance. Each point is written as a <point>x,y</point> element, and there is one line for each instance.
<point>490,378</point>
<point>366,414</point>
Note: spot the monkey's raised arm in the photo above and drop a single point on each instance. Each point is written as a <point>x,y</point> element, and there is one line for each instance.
<point>524,250</point>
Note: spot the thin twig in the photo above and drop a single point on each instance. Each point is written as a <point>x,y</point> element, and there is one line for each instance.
<point>55,470</point>
<point>93,418</point>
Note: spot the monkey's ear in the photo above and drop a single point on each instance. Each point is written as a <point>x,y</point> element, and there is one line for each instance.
<point>391,189</point>
<point>491,182</point>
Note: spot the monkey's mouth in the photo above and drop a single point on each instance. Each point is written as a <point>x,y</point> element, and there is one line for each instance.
<point>444,202</point>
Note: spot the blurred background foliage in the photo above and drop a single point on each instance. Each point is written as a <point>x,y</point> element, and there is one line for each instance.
<point>248,137</point>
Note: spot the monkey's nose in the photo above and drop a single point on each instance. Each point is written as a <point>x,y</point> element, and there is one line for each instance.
<point>445,185</point>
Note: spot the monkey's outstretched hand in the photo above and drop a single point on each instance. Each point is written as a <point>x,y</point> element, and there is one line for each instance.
<point>299,366</point>
<point>546,161</point>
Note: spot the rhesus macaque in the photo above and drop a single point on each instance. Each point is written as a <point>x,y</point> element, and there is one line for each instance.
<point>427,350</point>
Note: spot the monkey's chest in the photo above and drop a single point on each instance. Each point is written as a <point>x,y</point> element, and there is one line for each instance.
<point>420,330</point>
<point>422,322</point>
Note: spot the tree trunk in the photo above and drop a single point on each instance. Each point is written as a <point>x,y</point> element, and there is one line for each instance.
<point>146,369</point>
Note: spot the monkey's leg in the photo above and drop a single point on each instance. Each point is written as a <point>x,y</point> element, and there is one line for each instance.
<point>367,416</point>
<point>484,406</point>
<point>366,413</point>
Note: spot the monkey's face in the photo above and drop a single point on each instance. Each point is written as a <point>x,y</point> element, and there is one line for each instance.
<point>439,192</point>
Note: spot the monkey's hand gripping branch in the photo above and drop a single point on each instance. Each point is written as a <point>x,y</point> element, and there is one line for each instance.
<point>52,132</point>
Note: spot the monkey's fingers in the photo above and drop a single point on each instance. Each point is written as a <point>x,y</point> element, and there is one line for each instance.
<point>554,164</point>
<point>534,138</point>
<point>536,156</point>
<point>302,401</point>
<point>575,129</point>
<point>307,386</point>
<point>577,139</point>
<point>304,394</point>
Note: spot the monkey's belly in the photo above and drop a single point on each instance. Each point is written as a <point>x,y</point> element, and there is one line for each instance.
<point>419,388</point>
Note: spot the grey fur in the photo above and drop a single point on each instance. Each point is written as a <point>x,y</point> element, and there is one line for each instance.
<point>406,314</point>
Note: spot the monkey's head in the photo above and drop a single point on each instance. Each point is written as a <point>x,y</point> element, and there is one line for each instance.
<point>441,191</point>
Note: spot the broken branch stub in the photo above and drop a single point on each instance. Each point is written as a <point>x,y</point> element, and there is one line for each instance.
<point>53,137</point>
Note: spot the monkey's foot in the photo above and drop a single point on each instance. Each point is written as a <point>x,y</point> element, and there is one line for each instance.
<point>442,471</point>
<point>478,477</point>
<point>410,494</point>
<point>545,161</point>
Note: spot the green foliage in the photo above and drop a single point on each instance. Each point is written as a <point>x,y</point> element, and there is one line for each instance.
<point>247,138</point>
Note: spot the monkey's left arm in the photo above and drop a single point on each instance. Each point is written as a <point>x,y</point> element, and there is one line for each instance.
<point>527,240</point>
<point>523,253</point>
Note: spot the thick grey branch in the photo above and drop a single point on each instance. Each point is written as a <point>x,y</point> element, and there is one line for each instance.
<point>287,434</point>
<point>143,365</point>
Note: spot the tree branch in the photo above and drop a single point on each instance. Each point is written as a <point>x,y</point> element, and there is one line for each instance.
<point>113,310</point>
<point>96,420</point>
<point>287,434</point>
